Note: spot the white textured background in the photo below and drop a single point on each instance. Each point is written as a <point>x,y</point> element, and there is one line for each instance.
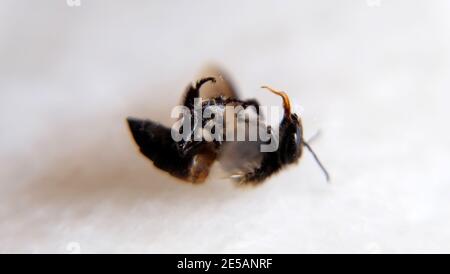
<point>372,75</point>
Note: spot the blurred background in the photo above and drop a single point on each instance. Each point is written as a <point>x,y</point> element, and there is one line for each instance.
<point>372,75</point>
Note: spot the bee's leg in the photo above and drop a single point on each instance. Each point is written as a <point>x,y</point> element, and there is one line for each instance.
<point>252,102</point>
<point>269,165</point>
<point>189,146</point>
<point>193,91</point>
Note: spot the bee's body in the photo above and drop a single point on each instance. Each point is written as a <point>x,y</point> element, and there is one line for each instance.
<point>244,162</point>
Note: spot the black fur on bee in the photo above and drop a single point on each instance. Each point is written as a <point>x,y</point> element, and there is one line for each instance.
<point>191,160</point>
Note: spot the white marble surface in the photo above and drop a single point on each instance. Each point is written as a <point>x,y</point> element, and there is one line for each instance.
<point>372,75</point>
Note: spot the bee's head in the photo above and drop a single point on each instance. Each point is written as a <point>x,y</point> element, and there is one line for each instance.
<point>291,139</point>
<point>291,131</point>
<point>291,135</point>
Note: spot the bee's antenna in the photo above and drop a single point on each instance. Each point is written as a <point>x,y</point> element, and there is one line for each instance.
<point>316,135</point>
<point>286,101</point>
<point>327,175</point>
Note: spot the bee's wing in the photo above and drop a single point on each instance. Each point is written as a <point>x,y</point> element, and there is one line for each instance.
<point>156,143</point>
<point>222,87</point>
<point>242,157</point>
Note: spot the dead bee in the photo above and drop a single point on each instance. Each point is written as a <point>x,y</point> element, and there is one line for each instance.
<point>243,161</point>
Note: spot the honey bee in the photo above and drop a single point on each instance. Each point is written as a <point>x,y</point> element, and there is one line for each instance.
<point>244,162</point>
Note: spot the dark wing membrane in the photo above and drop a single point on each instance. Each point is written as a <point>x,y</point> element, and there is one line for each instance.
<point>155,142</point>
